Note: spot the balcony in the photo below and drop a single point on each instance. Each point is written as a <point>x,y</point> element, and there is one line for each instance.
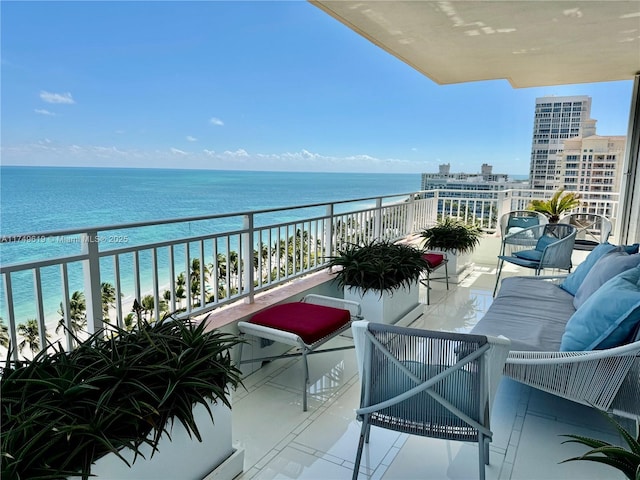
<point>282,441</point>
<point>279,439</point>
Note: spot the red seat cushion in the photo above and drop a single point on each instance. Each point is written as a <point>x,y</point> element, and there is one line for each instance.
<point>433,259</point>
<point>309,321</point>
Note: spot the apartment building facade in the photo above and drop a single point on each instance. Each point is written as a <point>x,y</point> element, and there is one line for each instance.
<point>592,167</point>
<point>556,120</point>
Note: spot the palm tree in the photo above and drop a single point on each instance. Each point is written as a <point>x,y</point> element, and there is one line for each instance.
<point>148,304</point>
<point>194,284</point>
<point>29,332</point>
<point>180,293</point>
<point>108,299</point>
<point>4,334</point>
<point>560,202</point>
<point>77,313</point>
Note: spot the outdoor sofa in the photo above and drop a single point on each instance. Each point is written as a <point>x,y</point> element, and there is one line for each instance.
<point>576,336</point>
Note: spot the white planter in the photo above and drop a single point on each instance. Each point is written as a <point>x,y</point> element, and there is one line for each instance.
<point>181,456</point>
<point>386,309</point>
<point>458,266</point>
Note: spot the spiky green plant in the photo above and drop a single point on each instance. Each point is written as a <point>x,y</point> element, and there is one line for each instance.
<point>452,235</point>
<point>62,410</point>
<point>558,204</point>
<point>380,266</point>
<point>625,460</point>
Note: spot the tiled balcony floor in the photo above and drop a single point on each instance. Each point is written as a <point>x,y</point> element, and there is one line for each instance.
<point>283,442</point>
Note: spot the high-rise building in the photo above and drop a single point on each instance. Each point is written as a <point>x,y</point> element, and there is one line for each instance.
<point>567,154</point>
<point>592,166</point>
<point>557,119</point>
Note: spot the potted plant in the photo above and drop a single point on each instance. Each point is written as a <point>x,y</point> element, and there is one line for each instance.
<point>457,239</point>
<point>626,460</point>
<point>126,391</point>
<point>383,276</point>
<point>558,204</point>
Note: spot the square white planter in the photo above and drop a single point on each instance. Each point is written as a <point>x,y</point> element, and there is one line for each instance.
<point>386,309</point>
<point>459,266</point>
<point>181,456</point>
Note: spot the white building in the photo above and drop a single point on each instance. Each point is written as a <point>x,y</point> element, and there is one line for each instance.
<point>556,120</point>
<point>592,166</point>
<point>485,180</point>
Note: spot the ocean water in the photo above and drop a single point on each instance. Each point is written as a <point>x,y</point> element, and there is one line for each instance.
<point>44,199</point>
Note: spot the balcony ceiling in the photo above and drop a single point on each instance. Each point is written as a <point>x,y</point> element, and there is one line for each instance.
<point>530,43</point>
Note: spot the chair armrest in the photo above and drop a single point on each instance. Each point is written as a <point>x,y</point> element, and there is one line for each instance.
<point>353,307</point>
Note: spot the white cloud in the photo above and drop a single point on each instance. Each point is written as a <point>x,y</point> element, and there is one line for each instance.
<point>56,97</point>
<point>216,121</point>
<point>49,152</point>
<point>42,111</point>
<point>238,153</point>
<point>191,139</point>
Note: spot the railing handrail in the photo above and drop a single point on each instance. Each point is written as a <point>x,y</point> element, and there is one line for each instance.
<point>148,223</point>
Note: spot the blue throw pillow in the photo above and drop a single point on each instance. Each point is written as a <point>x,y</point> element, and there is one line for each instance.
<point>534,255</point>
<point>631,249</point>
<point>608,317</point>
<point>575,279</point>
<point>544,241</point>
<point>610,265</point>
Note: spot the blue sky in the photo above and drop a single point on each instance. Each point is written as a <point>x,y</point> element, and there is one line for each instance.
<point>248,86</point>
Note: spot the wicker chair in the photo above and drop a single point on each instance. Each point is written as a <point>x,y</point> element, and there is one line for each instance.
<point>514,222</point>
<point>592,229</point>
<point>427,383</point>
<point>553,248</point>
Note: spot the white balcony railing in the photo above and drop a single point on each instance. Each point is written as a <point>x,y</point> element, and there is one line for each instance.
<point>84,277</point>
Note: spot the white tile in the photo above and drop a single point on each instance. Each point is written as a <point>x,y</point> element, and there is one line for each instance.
<point>336,432</point>
<point>265,418</point>
<point>541,450</point>
<point>295,464</point>
<point>429,458</point>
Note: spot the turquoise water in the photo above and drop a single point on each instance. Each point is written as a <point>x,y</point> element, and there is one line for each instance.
<point>41,199</point>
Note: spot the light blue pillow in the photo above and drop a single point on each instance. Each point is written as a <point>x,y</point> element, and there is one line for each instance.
<point>535,255</point>
<point>575,278</point>
<point>613,263</point>
<point>608,317</point>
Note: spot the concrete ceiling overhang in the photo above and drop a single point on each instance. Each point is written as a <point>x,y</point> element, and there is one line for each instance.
<point>528,42</point>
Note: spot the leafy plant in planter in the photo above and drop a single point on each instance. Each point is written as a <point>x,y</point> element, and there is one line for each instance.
<point>451,235</point>
<point>62,410</point>
<point>625,460</point>
<point>380,266</point>
<point>558,204</point>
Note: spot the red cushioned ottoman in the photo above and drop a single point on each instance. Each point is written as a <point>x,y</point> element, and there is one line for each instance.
<point>309,321</point>
<point>433,259</point>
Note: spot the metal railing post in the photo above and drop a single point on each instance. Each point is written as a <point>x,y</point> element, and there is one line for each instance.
<point>92,288</point>
<point>411,220</point>
<point>247,257</point>
<point>328,231</point>
<point>377,222</point>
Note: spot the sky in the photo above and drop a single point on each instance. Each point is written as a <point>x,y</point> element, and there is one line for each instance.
<point>246,85</point>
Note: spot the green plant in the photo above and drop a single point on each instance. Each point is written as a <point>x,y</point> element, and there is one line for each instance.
<point>625,460</point>
<point>378,265</point>
<point>452,235</point>
<point>558,204</point>
<point>62,410</point>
